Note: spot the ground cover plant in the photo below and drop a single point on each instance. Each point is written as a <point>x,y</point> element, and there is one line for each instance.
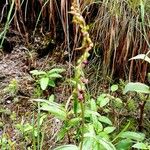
<point>74,74</point>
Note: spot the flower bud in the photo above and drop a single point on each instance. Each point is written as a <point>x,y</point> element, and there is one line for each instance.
<point>84,80</point>
<point>85,62</point>
<point>80,96</point>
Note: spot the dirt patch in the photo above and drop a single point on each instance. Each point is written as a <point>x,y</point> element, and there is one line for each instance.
<point>17,107</point>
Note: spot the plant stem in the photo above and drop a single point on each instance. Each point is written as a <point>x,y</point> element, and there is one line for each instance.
<point>79,91</point>
<point>34,142</point>
<point>82,116</point>
<point>38,127</point>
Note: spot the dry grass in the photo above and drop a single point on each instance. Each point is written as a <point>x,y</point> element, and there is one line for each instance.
<point>120,29</point>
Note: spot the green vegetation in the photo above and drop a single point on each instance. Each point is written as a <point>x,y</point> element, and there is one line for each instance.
<point>88,90</point>
<point>47,78</point>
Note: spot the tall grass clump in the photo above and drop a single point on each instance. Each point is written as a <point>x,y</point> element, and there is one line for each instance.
<point>120,31</point>
<point>7,23</point>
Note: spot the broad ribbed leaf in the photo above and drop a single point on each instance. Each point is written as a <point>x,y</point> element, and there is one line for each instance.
<point>44,83</point>
<point>106,144</point>
<point>88,113</point>
<point>58,112</point>
<point>56,109</point>
<point>55,75</point>
<point>104,102</point>
<point>56,70</point>
<point>133,135</point>
<point>74,122</point>
<point>88,143</point>
<point>137,87</point>
<point>93,105</point>
<point>51,83</point>
<point>109,129</point>
<point>51,98</point>
<point>124,144</point>
<point>140,146</point>
<point>105,120</point>
<point>37,72</point>
<point>67,147</point>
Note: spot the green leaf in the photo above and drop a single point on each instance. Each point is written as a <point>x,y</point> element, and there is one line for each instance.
<point>95,121</point>
<point>61,133</point>
<point>114,88</point>
<point>109,129</point>
<point>27,127</point>
<point>93,105</point>
<point>104,102</point>
<point>90,129</point>
<point>51,98</point>
<point>55,75</point>
<point>44,83</point>
<point>74,122</point>
<point>56,70</point>
<point>122,131</point>
<point>42,119</point>
<point>101,97</point>
<point>75,106</point>
<point>88,143</point>
<point>104,119</point>
<point>133,136</point>
<point>58,112</point>
<point>51,83</point>
<point>107,145</point>
<point>88,113</point>
<point>137,87</point>
<point>98,127</point>
<point>124,144</point>
<point>141,56</point>
<point>140,146</point>
<point>103,135</point>
<point>37,72</point>
<point>56,109</point>
<point>67,147</point>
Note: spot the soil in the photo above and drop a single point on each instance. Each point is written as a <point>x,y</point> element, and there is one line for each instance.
<point>17,107</point>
